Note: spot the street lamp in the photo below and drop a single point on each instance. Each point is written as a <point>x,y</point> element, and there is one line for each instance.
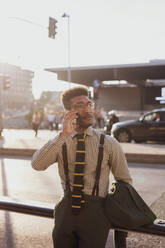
<point>69,70</point>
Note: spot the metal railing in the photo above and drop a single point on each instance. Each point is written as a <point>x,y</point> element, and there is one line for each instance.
<point>46,210</point>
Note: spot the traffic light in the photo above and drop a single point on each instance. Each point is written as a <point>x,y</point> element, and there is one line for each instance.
<point>52,28</point>
<point>96,94</point>
<point>6,82</point>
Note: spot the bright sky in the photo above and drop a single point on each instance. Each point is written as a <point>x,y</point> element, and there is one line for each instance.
<point>102,32</point>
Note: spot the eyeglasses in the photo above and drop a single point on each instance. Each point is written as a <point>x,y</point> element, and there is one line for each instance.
<point>82,106</point>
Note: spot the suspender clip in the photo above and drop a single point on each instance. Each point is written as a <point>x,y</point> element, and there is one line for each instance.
<point>101,145</point>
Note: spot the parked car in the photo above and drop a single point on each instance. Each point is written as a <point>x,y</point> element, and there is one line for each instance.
<point>149,127</point>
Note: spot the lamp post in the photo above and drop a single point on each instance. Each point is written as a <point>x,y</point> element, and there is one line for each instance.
<point>69,69</point>
<point>1,94</point>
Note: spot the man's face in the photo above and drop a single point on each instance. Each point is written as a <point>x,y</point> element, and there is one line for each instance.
<point>85,107</point>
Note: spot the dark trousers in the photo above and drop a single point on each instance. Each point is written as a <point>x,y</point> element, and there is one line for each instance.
<point>88,229</point>
<point>120,239</point>
<point>35,127</point>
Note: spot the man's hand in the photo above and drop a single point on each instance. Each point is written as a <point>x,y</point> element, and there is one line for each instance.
<point>69,123</point>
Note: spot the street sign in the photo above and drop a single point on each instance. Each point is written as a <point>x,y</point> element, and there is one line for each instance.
<point>162,98</point>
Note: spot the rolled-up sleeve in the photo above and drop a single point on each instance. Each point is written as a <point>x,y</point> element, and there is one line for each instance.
<point>118,163</point>
<point>48,154</point>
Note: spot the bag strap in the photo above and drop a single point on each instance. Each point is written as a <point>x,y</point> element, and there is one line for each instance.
<point>98,168</point>
<point>66,171</point>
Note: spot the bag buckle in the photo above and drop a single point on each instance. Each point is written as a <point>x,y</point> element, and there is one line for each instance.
<point>113,189</point>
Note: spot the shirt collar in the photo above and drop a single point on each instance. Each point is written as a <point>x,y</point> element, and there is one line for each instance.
<point>88,131</point>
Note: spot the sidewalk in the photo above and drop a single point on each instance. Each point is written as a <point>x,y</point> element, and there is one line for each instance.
<point>23,143</point>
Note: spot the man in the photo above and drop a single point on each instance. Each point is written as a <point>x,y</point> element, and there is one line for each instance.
<point>157,117</point>
<point>36,120</point>
<point>51,118</point>
<point>79,217</point>
<point>112,119</point>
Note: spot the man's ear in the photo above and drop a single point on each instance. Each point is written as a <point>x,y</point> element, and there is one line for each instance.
<point>68,107</point>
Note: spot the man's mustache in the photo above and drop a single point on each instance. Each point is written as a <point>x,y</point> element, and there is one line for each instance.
<point>86,116</point>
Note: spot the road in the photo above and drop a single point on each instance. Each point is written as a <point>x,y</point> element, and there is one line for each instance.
<point>28,134</point>
<point>19,180</point>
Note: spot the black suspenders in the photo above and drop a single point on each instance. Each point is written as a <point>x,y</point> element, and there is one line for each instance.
<point>66,171</point>
<point>98,168</point>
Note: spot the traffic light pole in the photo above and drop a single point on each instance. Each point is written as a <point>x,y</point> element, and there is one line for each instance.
<point>1,101</point>
<point>1,97</point>
<point>69,70</point>
<point>69,76</point>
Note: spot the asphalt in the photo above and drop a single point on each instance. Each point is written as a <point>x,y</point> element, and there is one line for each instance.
<point>23,143</point>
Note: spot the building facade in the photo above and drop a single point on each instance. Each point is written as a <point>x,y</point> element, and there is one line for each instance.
<point>19,94</point>
<point>130,98</point>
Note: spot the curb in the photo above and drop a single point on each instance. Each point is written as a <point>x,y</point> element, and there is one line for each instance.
<point>131,157</point>
<point>145,158</point>
<point>17,152</point>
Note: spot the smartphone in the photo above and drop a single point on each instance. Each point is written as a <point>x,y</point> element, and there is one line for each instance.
<point>78,119</point>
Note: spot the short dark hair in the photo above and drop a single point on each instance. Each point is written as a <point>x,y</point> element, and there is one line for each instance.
<point>67,95</point>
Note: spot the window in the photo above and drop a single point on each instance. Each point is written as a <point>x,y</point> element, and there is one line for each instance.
<point>150,117</point>
<point>162,116</point>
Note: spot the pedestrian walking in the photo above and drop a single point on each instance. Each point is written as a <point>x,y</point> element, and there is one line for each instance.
<point>100,117</point>
<point>57,120</point>
<point>80,220</point>
<point>36,120</point>
<point>112,118</point>
<point>50,118</point>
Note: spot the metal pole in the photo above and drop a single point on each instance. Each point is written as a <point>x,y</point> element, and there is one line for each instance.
<point>141,99</point>
<point>47,209</point>
<point>1,95</point>
<point>1,106</point>
<point>69,69</point>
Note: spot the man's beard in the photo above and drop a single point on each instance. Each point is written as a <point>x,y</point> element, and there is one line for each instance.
<point>85,125</point>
